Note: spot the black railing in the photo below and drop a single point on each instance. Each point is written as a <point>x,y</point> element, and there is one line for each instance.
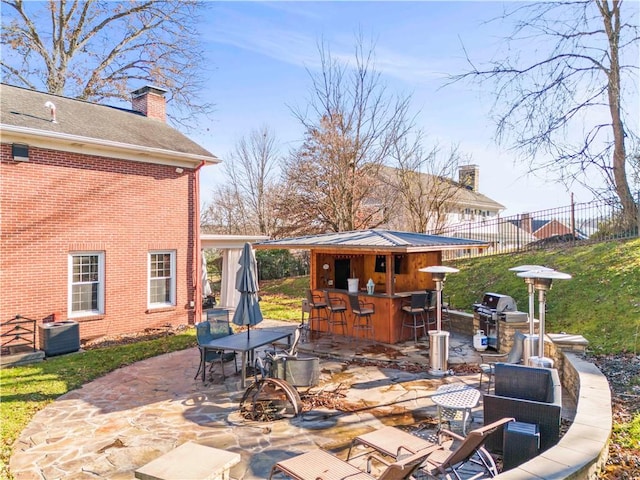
<point>18,332</point>
<point>579,222</point>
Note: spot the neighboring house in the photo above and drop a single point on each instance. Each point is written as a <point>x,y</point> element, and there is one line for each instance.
<point>446,201</point>
<point>469,205</point>
<point>546,228</point>
<point>100,213</point>
<point>501,235</point>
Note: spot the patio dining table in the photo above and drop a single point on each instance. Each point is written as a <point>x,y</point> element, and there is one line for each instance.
<point>245,344</point>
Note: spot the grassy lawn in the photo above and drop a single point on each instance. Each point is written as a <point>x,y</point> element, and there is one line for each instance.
<point>601,302</point>
<point>282,299</point>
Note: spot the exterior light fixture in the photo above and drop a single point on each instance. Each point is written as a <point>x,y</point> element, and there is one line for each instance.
<point>20,152</point>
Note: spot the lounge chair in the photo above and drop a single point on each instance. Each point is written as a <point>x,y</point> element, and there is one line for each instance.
<point>450,459</point>
<point>321,465</point>
<point>488,360</point>
<point>530,395</point>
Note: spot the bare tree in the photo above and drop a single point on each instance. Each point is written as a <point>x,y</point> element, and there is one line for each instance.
<point>95,50</point>
<point>252,169</point>
<point>563,104</point>
<point>350,124</point>
<point>424,191</point>
<point>225,214</point>
<point>246,201</point>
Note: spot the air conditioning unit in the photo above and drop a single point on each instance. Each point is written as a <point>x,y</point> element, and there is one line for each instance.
<point>57,338</point>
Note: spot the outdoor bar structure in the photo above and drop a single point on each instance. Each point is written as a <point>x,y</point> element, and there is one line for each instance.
<point>343,263</point>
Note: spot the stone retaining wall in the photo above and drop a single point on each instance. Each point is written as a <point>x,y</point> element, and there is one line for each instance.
<point>583,450</point>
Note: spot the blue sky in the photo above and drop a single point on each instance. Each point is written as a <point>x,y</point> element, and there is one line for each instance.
<point>259,53</point>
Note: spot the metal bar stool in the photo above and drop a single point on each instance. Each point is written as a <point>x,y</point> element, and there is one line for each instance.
<point>337,308</point>
<point>362,312</point>
<point>318,309</point>
<point>416,310</point>
<point>430,310</point>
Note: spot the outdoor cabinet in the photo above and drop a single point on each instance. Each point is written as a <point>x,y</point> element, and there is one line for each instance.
<point>57,338</point>
<point>521,443</point>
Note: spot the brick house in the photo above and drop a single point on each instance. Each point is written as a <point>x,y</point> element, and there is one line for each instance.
<point>99,213</point>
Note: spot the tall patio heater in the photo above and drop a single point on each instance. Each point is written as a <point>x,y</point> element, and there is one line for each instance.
<point>530,340</point>
<point>438,338</point>
<point>542,280</point>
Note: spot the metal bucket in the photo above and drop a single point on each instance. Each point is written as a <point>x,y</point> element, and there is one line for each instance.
<point>438,352</point>
<point>298,371</point>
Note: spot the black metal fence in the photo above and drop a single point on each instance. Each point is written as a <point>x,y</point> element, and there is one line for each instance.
<point>579,222</point>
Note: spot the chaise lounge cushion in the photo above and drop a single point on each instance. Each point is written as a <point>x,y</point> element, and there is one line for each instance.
<point>528,394</point>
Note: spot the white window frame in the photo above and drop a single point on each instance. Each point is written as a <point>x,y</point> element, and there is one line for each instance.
<point>172,278</point>
<point>100,282</point>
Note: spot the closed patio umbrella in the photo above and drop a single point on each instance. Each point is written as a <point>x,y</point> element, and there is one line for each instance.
<point>206,288</point>
<point>248,309</point>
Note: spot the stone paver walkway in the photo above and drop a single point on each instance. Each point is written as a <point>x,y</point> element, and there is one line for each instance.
<point>119,422</point>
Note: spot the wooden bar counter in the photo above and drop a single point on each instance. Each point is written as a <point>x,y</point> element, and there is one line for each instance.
<point>388,316</point>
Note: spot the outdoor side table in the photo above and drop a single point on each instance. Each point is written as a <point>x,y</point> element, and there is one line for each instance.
<point>455,401</point>
<point>521,442</point>
<point>190,461</point>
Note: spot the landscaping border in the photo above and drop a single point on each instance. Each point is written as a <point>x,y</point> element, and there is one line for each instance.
<point>583,450</point>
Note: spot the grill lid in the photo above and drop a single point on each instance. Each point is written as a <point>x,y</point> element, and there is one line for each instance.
<point>499,302</point>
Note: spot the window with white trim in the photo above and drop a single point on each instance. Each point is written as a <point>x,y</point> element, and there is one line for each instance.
<point>86,284</point>
<point>162,278</point>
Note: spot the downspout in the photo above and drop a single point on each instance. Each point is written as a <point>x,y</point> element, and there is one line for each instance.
<point>197,246</point>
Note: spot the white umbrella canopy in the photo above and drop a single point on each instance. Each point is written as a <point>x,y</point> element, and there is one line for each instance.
<point>248,309</point>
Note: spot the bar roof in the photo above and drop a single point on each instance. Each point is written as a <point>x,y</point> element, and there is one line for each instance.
<point>379,240</point>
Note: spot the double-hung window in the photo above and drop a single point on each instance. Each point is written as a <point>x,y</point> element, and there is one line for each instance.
<point>162,279</point>
<point>86,284</point>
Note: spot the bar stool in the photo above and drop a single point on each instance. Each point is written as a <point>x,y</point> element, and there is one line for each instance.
<point>337,308</point>
<point>318,309</point>
<point>362,312</point>
<point>416,310</point>
<point>430,310</point>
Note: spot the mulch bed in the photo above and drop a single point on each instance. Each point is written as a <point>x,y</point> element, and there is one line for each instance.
<point>623,373</point>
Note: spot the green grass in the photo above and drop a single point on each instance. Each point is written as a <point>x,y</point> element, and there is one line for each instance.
<point>627,435</point>
<point>281,299</point>
<point>601,302</point>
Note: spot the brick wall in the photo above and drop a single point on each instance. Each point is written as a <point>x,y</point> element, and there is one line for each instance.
<point>61,202</point>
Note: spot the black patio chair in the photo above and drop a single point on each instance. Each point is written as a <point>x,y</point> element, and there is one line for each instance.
<point>205,332</point>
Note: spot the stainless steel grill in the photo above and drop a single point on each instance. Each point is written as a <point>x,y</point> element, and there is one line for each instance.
<point>494,307</point>
<point>494,304</point>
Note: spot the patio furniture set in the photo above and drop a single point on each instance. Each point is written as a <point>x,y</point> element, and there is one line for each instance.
<point>528,397</point>
<point>218,343</point>
<point>521,419</point>
<point>402,454</point>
